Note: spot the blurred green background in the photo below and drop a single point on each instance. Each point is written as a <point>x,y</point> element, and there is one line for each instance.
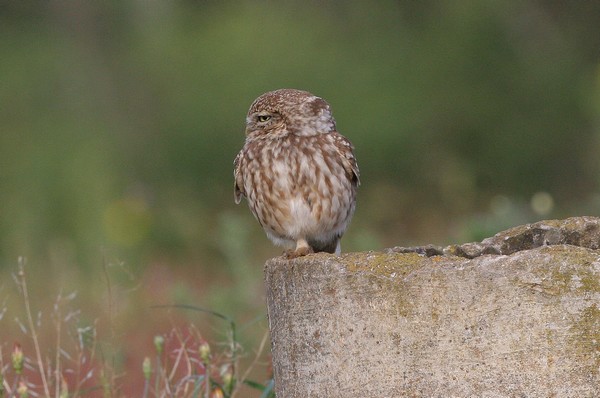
<point>120,121</point>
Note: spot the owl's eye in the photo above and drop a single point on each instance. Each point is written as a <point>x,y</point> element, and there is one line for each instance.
<point>263,118</point>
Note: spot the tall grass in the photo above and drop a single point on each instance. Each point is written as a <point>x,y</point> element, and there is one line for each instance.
<point>73,360</point>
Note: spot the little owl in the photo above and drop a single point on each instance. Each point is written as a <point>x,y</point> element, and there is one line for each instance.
<point>297,172</point>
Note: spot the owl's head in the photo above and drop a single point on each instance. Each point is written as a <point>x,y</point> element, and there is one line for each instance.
<point>288,111</point>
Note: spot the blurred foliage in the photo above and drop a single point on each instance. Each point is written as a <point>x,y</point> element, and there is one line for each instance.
<point>120,121</point>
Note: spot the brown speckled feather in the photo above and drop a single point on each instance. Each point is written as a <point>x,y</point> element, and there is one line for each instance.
<point>298,174</point>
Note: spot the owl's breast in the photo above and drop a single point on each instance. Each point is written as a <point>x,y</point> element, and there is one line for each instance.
<point>299,188</point>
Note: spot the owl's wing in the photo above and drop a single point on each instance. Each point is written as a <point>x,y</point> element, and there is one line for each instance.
<point>238,183</point>
<point>346,152</point>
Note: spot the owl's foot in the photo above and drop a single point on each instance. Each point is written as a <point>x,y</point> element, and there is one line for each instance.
<point>302,249</point>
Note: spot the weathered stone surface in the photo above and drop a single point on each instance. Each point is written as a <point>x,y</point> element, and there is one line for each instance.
<point>522,324</point>
<point>577,231</point>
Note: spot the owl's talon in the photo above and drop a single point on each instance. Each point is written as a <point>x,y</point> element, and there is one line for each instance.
<point>300,252</point>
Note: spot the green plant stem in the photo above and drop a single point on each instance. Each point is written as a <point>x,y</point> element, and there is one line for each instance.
<point>207,379</point>
<point>146,388</point>
<point>13,390</point>
<point>57,359</point>
<point>158,374</point>
<point>36,344</point>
